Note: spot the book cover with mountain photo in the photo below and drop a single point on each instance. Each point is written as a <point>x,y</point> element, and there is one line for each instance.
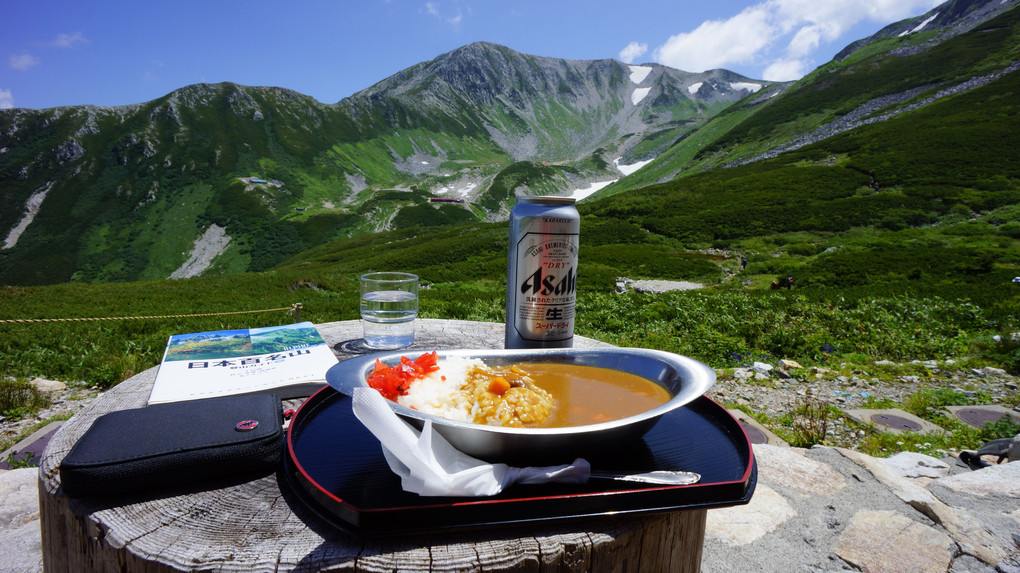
<point>289,360</point>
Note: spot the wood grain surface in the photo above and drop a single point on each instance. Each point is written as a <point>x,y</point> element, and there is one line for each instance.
<point>258,525</point>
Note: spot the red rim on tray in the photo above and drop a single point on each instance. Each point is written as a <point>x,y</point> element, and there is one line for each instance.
<point>337,468</point>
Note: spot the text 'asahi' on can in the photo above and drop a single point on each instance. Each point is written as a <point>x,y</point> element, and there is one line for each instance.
<point>541,275</point>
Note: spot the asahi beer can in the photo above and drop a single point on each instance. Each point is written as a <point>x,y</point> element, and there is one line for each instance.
<point>541,276</point>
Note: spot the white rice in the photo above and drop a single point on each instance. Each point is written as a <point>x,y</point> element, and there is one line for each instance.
<point>433,395</point>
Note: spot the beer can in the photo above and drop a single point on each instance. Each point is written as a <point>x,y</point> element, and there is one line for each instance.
<point>541,276</point>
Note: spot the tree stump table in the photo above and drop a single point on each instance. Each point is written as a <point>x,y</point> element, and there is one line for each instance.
<point>257,525</point>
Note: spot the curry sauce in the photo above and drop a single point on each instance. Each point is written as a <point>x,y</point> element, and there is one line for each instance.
<point>549,395</point>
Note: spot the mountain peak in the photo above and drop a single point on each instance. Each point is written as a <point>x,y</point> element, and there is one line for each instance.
<point>482,121</point>
<point>519,100</point>
<point>949,19</point>
<point>482,46</point>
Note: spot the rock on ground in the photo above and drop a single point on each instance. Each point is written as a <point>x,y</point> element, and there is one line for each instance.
<point>19,521</point>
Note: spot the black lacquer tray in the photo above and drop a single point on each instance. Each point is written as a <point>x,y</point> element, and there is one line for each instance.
<point>337,468</point>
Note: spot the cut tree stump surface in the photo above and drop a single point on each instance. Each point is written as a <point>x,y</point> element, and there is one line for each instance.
<point>259,525</point>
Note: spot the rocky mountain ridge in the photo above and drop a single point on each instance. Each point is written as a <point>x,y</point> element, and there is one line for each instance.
<point>520,94</point>
<point>902,68</point>
<point>945,21</point>
<point>126,191</point>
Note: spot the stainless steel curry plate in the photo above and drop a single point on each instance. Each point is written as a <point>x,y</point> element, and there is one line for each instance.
<point>686,379</point>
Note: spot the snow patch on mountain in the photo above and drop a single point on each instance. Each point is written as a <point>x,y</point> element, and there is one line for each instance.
<point>694,88</point>
<point>628,169</point>
<point>753,88</point>
<point>639,73</point>
<point>920,26</point>
<point>464,191</point>
<point>579,194</point>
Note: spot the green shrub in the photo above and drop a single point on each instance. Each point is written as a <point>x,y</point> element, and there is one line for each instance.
<point>19,399</point>
<point>804,249</point>
<point>1010,229</point>
<point>1003,348</point>
<point>810,421</point>
<point>652,261</point>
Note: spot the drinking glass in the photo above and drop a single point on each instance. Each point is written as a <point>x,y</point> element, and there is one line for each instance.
<point>389,305</point>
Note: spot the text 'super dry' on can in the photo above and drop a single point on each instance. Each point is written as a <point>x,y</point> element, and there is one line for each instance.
<point>541,278</point>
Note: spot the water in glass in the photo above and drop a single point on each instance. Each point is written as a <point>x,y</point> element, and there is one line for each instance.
<point>388,317</point>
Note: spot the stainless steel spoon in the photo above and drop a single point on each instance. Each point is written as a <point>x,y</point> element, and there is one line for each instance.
<point>665,477</point>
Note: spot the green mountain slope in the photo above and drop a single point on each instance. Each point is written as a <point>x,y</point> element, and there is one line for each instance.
<point>902,235</point>
<point>860,212</point>
<point>228,178</point>
<point>889,189</point>
<point>903,133</point>
<point>891,73</point>
<point>922,197</point>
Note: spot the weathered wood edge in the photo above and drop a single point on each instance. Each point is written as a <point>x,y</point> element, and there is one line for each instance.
<point>251,527</point>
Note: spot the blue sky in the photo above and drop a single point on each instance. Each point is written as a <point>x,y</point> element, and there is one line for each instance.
<point>115,52</point>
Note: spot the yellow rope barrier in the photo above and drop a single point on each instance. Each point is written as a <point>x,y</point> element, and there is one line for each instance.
<point>294,308</point>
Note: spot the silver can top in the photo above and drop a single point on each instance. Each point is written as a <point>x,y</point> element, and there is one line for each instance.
<point>546,200</point>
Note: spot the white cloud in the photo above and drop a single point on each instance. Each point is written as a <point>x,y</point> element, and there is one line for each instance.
<point>633,51</point>
<point>23,62</point>
<point>779,35</point>
<point>785,70</point>
<point>69,40</point>
<point>805,41</point>
<point>717,43</point>
<point>432,9</point>
<point>6,99</point>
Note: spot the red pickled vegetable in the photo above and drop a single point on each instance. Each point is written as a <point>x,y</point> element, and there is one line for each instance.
<point>394,381</point>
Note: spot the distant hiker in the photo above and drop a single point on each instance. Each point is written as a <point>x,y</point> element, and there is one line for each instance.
<point>789,283</point>
<point>774,286</point>
<point>743,263</point>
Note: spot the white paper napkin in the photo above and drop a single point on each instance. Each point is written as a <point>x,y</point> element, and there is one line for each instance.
<point>429,466</point>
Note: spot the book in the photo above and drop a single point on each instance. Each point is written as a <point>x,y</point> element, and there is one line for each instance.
<point>290,361</point>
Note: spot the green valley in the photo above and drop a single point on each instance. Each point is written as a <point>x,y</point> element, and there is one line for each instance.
<point>886,184</point>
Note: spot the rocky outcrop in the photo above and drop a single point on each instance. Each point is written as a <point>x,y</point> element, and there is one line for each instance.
<point>826,509</point>
<point>770,390</point>
<point>949,19</point>
<point>820,509</point>
<point>31,208</point>
<point>69,151</point>
<point>210,245</point>
<point>522,101</point>
<point>871,112</point>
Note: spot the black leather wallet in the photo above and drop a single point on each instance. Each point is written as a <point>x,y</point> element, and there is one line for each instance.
<point>175,443</point>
